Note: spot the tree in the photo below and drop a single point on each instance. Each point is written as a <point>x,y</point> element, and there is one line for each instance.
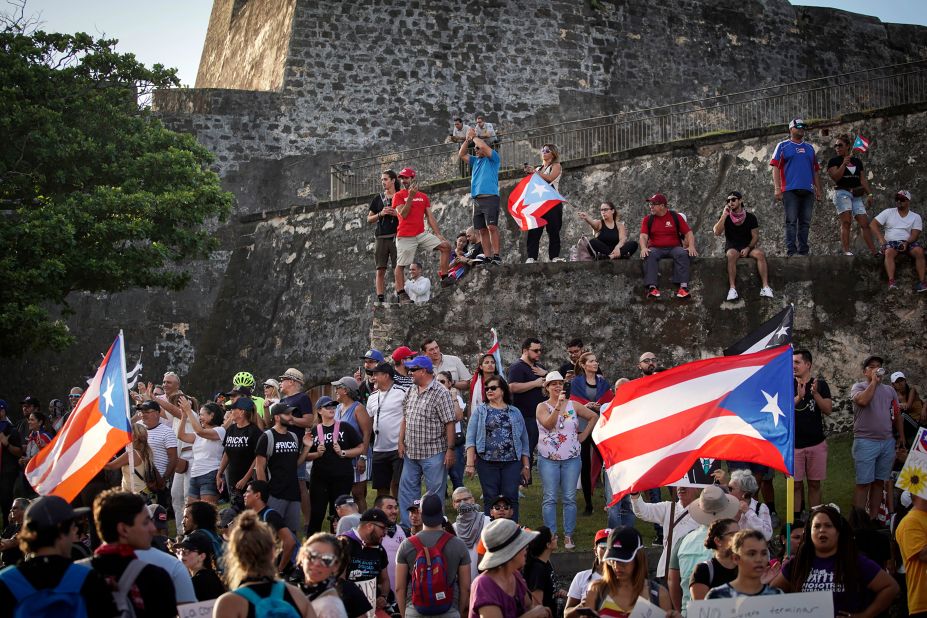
<point>96,194</point>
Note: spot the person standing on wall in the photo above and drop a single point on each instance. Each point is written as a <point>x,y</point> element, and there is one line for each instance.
<point>551,171</point>
<point>386,218</point>
<point>484,195</point>
<point>797,186</point>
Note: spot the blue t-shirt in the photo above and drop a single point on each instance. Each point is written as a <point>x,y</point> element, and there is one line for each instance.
<point>797,165</point>
<point>484,179</point>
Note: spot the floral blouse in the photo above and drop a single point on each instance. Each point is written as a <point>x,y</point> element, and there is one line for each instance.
<point>500,439</point>
<point>561,442</point>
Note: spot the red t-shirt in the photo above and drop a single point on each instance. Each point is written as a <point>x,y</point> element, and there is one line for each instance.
<point>414,224</point>
<point>663,232</point>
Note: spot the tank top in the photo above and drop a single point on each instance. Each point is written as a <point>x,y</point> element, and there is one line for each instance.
<point>561,442</point>
<point>555,183</point>
<point>608,235</point>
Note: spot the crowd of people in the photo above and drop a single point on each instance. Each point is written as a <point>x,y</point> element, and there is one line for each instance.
<point>401,210</point>
<point>269,498</point>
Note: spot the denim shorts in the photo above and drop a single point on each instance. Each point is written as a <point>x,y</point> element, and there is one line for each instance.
<point>873,459</point>
<point>845,201</point>
<point>203,485</point>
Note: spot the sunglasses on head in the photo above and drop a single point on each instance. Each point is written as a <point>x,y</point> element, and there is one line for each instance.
<point>323,559</point>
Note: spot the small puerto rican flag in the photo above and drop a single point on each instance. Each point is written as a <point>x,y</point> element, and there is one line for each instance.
<point>860,144</point>
<point>530,199</point>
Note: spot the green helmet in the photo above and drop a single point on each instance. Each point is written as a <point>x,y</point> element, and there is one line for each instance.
<point>243,378</point>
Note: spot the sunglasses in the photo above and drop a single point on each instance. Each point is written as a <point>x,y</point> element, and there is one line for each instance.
<point>500,507</point>
<point>545,150</point>
<point>491,388</point>
<point>840,145</point>
<point>327,560</point>
<point>73,396</point>
<point>732,199</point>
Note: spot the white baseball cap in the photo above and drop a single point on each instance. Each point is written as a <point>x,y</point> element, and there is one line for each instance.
<point>897,376</point>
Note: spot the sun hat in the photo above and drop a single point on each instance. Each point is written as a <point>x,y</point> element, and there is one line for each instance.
<point>553,376</point>
<point>714,504</point>
<point>503,539</point>
<point>292,374</point>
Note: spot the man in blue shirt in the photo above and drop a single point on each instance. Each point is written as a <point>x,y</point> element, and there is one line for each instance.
<point>484,194</point>
<point>797,185</point>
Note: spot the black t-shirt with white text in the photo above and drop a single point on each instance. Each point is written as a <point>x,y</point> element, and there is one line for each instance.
<point>366,560</point>
<point>281,464</point>
<point>240,446</point>
<point>330,464</point>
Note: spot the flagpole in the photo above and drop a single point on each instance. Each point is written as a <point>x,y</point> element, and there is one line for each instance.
<point>130,448</point>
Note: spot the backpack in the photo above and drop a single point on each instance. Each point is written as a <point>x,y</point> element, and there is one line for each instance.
<point>271,606</point>
<point>125,607</point>
<point>62,600</point>
<point>431,592</point>
<point>336,433</point>
<point>675,214</point>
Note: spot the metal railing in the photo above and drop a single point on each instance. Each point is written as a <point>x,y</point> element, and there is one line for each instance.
<point>814,100</point>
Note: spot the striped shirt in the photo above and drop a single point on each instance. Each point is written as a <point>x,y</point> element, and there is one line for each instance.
<point>160,439</point>
<point>427,412</point>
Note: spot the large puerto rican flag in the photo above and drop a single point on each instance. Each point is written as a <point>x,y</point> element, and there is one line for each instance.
<point>94,432</point>
<point>530,199</point>
<point>731,407</point>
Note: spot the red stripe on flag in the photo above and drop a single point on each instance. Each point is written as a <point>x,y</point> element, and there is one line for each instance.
<point>661,432</point>
<point>71,486</point>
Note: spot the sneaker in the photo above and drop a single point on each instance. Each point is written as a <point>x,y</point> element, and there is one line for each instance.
<point>530,261</point>
<point>682,292</point>
<point>568,543</point>
<point>732,294</point>
<point>847,253</point>
<point>479,259</point>
<point>921,286</point>
<point>766,292</point>
<point>653,293</point>
<point>496,260</point>
<point>891,284</point>
<point>558,259</point>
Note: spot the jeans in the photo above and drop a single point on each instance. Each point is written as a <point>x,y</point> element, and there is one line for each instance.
<point>554,218</point>
<point>798,205</point>
<point>620,514</point>
<point>499,478</point>
<point>457,470</point>
<point>680,259</point>
<point>410,482</point>
<point>559,477</point>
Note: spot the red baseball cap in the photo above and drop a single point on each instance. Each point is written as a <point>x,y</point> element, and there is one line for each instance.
<point>401,353</point>
<point>657,198</point>
<point>407,172</point>
<point>602,535</point>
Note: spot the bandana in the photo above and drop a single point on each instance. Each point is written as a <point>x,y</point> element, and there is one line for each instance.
<point>313,591</point>
<point>469,524</point>
<point>738,217</point>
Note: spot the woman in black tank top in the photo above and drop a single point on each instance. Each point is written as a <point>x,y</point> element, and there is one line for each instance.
<point>611,240</point>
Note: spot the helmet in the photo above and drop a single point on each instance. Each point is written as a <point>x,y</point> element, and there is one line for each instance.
<point>243,378</point>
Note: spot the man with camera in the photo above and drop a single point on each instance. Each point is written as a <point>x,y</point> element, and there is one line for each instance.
<point>875,411</point>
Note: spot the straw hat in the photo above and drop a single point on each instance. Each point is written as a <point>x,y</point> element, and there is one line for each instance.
<point>503,539</point>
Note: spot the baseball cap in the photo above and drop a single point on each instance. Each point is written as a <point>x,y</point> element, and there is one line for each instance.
<point>407,172</point>
<point>244,391</point>
<point>432,510</point>
<point>243,403</point>
<point>50,511</point>
<point>271,382</point>
<point>150,404</point>
<point>383,368</point>
<point>416,505</point>
<point>903,193</point>
<point>324,401</point>
<point>4,405</point>
<point>401,353</point>
<point>344,499</point>
<point>657,198</point>
<point>376,355</point>
<point>623,544</point>
<point>375,515</point>
<point>501,498</point>
<point>197,541</point>
<point>602,535</point>
<point>873,357</point>
<point>797,123</point>
<point>32,401</point>
<point>281,408</point>
<point>420,362</point>
<point>158,515</point>
<point>227,516</point>
<point>897,376</point>
<point>347,382</point>
<point>736,194</point>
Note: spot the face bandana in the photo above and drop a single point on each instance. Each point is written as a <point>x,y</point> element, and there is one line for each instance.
<point>738,217</point>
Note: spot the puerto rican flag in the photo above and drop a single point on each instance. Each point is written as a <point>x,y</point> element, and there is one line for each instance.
<point>860,144</point>
<point>530,199</point>
<point>476,384</point>
<point>92,435</point>
<point>731,407</point>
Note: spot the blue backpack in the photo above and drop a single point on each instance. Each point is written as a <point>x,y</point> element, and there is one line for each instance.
<point>63,600</point>
<point>271,606</point>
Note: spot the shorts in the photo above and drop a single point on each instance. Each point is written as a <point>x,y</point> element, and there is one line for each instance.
<point>384,251</point>
<point>811,462</point>
<point>845,201</point>
<point>406,246</point>
<point>728,246</point>
<point>485,211</point>
<point>203,485</point>
<point>895,244</point>
<point>873,459</point>
<point>386,467</point>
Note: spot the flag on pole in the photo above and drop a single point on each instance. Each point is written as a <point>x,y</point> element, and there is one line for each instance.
<point>476,383</point>
<point>860,144</point>
<point>774,332</point>
<point>729,407</point>
<point>530,200</point>
<point>92,435</point>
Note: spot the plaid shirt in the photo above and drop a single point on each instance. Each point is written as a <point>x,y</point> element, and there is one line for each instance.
<point>426,413</point>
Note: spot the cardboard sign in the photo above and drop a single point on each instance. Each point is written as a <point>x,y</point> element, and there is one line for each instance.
<point>913,476</point>
<point>196,610</point>
<point>807,604</point>
<point>645,609</point>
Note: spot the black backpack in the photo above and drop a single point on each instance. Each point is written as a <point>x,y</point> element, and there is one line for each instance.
<point>676,221</point>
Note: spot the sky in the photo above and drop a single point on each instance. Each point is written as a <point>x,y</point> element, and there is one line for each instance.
<point>171,32</point>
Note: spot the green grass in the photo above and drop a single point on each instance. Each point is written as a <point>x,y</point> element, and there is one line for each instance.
<point>838,488</point>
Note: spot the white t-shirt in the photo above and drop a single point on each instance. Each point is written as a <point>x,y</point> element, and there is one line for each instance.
<point>898,228</point>
<point>160,439</point>
<point>455,366</point>
<point>207,454</point>
<point>580,584</point>
<point>385,410</point>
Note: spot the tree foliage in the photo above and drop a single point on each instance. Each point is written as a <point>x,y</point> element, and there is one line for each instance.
<point>96,194</point>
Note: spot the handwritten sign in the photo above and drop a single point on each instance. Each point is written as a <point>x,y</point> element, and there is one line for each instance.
<point>913,476</point>
<point>645,609</point>
<point>196,610</point>
<point>799,604</point>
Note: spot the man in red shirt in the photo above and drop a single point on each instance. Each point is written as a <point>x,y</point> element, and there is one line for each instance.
<point>414,207</point>
<point>666,234</point>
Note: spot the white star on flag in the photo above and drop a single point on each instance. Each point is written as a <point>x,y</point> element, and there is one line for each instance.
<point>782,332</point>
<point>539,190</point>
<point>530,200</point>
<point>108,394</point>
<point>772,406</point>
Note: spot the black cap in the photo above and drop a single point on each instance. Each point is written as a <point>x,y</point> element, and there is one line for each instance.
<point>735,194</point>
<point>241,390</point>
<point>32,401</point>
<point>383,368</point>
<point>158,515</point>
<point>197,541</point>
<point>623,544</point>
<point>501,498</point>
<point>281,408</point>
<point>415,506</point>
<point>432,510</point>
<point>150,404</point>
<point>871,358</point>
<point>375,515</point>
<point>227,516</point>
<point>50,511</point>
<point>344,499</point>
